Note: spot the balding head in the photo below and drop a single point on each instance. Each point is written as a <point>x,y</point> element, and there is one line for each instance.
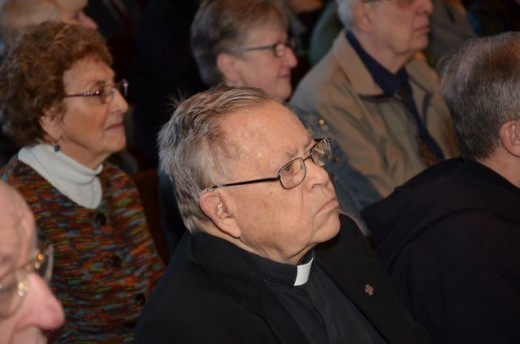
<point>25,317</point>
<point>17,234</point>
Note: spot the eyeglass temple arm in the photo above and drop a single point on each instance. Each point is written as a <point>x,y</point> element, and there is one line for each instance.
<point>271,179</point>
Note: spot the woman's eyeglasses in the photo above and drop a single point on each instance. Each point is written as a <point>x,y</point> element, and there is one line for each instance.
<point>105,92</point>
<point>278,49</point>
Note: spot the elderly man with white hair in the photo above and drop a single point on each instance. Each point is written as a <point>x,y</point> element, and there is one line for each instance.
<point>267,257</point>
<point>381,102</point>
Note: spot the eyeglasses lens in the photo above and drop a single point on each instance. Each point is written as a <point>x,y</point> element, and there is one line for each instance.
<point>15,285</point>
<point>320,153</point>
<point>44,264</point>
<point>122,87</point>
<point>281,48</point>
<point>106,94</point>
<point>292,174</point>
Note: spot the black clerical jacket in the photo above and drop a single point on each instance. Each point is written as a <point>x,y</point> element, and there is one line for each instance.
<point>210,294</point>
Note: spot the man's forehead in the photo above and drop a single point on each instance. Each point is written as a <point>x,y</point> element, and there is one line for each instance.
<point>11,245</point>
<point>17,239</point>
<point>72,5</point>
<point>16,221</point>
<point>264,119</point>
<point>9,237</point>
<point>271,130</point>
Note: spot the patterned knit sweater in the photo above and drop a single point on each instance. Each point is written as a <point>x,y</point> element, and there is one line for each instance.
<point>105,261</point>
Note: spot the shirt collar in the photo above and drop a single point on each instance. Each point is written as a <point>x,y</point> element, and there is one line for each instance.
<point>389,83</point>
<point>284,274</point>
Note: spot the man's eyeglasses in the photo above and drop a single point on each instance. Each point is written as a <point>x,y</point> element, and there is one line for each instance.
<point>293,173</point>
<point>14,285</point>
<point>105,92</point>
<point>278,49</point>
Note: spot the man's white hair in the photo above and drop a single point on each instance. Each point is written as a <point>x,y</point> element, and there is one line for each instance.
<point>345,12</point>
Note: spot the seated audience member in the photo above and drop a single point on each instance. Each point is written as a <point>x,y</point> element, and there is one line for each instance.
<point>235,49</point>
<point>449,27</point>
<point>61,104</point>
<point>15,15</point>
<point>27,306</point>
<point>257,201</point>
<point>253,50</point>
<point>382,105</point>
<point>450,237</point>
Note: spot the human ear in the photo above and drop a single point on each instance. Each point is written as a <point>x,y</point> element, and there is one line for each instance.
<point>215,206</point>
<point>509,134</point>
<point>50,123</point>
<point>362,15</point>
<point>226,63</point>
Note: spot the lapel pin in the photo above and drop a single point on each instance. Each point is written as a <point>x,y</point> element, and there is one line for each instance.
<point>369,289</point>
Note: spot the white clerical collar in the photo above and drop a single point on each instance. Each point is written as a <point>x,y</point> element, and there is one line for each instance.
<point>77,182</point>
<point>302,273</point>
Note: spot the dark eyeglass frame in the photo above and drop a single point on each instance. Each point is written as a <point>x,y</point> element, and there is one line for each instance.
<point>326,141</point>
<point>105,96</point>
<point>42,264</point>
<point>405,2</point>
<point>279,49</point>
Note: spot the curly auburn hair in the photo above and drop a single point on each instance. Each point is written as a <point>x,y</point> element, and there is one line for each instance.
<point>31,77</point>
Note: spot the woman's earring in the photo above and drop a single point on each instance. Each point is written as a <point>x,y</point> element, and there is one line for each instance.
<point>57,146</point>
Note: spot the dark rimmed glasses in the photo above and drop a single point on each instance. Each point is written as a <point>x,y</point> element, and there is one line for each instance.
<point>105,92</point>
<point>404,2</point>
<point>14,285</point>
<point>278,49</point>
<point>293,173</point>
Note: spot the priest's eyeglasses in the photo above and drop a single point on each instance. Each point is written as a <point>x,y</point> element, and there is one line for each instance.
<point>293,173</point>
<point>403,2</point>
<point>14,285</point>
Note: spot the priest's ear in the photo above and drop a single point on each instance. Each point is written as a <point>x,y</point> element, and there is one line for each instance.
<point>216,206</point>
<point>509,135</point>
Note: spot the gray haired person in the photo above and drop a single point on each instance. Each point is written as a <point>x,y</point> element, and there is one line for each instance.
<point>450,236</point>
<point>267,258</point>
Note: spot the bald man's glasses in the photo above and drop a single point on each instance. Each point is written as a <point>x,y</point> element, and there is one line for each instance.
<point>14,285</point>
<point>293,173</point>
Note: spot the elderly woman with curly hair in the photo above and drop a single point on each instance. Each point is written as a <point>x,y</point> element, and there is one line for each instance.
<point>59,101</point>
